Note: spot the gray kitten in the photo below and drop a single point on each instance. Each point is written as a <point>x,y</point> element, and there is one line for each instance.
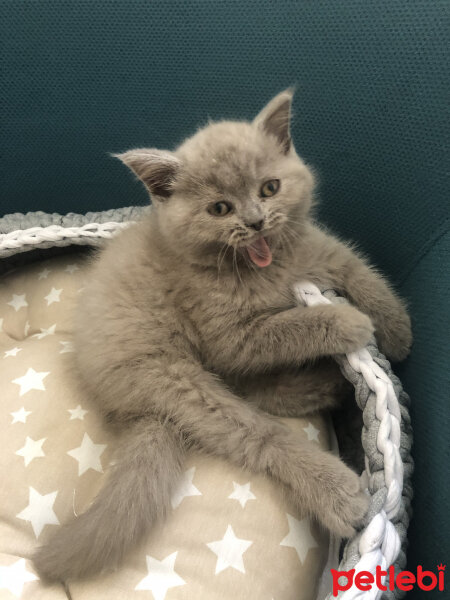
<point>188,334</point>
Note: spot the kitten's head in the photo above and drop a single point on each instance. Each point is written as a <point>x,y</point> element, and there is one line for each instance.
<point>232,189</point>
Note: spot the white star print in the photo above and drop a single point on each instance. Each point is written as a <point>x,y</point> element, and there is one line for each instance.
<point>299,537</point>
<point>311,432</point>
<point>242,493</point>
<point>20,416</point>
<point>53,296</point>
<point>18,302</point>
<point>161,576</point>
<point>229,551</point>
<point>32,449</point>
<point>31,381</point>
<point>88,455</point>
<point>12,352</point>
<point>26,329</point>
<point>185,488</point>
<point>45,332</point>
<point>44,274</point>
<point>71,268</point>
<point>39,511</point>
<point>14,577</point>
<point>77,413</point>
<point>67,347</point>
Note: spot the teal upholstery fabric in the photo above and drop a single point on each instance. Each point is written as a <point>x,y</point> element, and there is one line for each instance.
<point>82,78</point>
<point>427,375</point>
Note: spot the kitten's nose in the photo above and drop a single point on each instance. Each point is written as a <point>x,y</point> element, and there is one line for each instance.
<point>257,225</point>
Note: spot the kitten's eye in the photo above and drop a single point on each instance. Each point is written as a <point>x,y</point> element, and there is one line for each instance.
<point>269,188</point>
<point>220,209</point>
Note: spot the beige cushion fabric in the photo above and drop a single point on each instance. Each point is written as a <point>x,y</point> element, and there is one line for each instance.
<point>231,535</point>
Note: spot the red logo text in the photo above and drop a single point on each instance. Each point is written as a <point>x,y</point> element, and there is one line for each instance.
<point>404,580</point>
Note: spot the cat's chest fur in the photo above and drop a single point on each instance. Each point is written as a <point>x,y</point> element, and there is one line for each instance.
<point>219,307</point>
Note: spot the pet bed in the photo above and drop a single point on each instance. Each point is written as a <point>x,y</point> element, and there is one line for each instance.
<point>230,534</point>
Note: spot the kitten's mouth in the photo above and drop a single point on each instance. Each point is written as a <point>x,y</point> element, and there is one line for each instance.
<point>259,252</point>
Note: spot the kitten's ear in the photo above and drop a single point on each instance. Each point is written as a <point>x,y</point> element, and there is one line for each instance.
<point>275,118</point>
<point>156,168</point>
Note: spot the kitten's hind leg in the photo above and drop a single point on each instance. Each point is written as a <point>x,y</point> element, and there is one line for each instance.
<point>307,390</point>
<point>135,496</point>
<point>218,422</point>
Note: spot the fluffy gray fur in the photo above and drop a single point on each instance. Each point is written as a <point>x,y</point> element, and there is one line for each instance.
<point>185,341</point>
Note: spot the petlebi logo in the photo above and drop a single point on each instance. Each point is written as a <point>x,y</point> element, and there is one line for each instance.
<point>403,580</point>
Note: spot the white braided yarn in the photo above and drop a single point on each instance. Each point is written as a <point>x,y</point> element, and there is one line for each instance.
<point>54,233</point>
<point>379,543</point>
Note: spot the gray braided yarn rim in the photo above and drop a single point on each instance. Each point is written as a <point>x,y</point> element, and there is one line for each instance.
<point>366,400</point>
<point>36,233</point>
<point>20,221</point>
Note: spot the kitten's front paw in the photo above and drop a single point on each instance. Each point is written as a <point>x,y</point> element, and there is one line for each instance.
<point>395,336</point>
<point>348,329</point>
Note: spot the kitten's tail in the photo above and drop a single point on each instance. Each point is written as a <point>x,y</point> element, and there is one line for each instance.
<point>136,494</point>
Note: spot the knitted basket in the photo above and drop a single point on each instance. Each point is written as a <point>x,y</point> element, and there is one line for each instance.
<point>386,435</point>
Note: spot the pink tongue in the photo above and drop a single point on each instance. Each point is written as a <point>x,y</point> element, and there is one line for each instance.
<point>260,253</point>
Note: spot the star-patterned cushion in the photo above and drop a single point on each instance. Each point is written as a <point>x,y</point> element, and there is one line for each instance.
<point>230,535</point>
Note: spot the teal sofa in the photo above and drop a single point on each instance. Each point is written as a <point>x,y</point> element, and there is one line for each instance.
<point>83,78</point>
